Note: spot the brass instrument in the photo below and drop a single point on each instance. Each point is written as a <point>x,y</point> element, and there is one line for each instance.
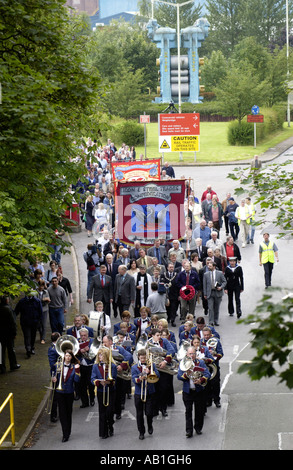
<point>187,365</point>
<point>63,343</point>
<point>117,359</point>
<point>106,400</point>
<point>94,348</point>
<point>211,366</point>
<point>151,378</point>
<point>211,345</point>
<point>52,387</point>
<point>144,386</point>
<point>159,353</point>
<point>185,344</point>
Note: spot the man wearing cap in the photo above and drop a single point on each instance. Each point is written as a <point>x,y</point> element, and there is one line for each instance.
<point>268,253</point>
<point>234,276</point>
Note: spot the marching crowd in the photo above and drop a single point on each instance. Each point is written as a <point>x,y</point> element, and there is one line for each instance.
<point>174,280</point>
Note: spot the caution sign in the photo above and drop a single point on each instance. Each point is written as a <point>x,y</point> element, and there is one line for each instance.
<point>164,144</point>
<point>185,143</point>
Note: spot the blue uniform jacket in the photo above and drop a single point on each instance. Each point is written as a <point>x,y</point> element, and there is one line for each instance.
<point>135,373</point>
<point>131,328</point>
<point>52,357</point>
<point>72,376</point>
<point>98,375</point>
<point>219,350</point>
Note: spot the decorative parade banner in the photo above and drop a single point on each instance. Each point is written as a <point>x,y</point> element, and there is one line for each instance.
<point>136,171</point>
<point>150,210</point>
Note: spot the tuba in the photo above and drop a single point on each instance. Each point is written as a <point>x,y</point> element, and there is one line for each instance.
<point>183,349</point>
<point>94,348</point>
<point>117,359</point>
<point>63,343</point>
<point>159,354</point>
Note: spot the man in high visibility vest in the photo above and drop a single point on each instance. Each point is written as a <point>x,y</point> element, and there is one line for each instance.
<point>268,253</point>
<point>250,236</point>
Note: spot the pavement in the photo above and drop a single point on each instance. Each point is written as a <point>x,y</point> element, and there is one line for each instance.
<point>28,384</point>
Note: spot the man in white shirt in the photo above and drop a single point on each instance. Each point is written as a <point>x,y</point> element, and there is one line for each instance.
<point>243,214</point>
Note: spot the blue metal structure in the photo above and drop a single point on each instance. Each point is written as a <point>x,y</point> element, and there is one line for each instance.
<point>191,38</point>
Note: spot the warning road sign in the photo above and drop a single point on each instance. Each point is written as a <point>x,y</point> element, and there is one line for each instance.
<point>164,145</point>
<point>185,143</point>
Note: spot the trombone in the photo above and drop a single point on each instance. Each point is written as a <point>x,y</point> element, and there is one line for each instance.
<point>50,399</point>
<point>151,378</point>
<point>106,399</point>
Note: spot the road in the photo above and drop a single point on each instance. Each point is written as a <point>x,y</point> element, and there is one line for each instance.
<point>253,415</point>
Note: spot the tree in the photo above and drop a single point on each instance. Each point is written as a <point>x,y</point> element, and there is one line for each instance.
<point>214,71</point>
<point>226,30</point>
<point>239,89</point>
<point>272,339</point>
<point>272,331</point>
<point>166,15</point>
<point>121,45</point>
<point>47,92</point>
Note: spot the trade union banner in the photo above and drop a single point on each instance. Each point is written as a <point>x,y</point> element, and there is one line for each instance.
<point>147,210</point>
<point>136,171</point>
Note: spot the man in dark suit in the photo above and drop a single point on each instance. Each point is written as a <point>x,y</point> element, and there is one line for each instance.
<point>101,288</point>
<point>169,279</point>
<point>112,271</point>
<point>187,277</point>
<point>214,283</point>
<point>200,249</point>
<point>134,252</point>
<point>124,289</point>
<point>158,252</point>
<point>235,285</point>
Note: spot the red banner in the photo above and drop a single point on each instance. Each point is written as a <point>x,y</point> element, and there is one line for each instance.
<point>150,209</point>
<point>136,171</point>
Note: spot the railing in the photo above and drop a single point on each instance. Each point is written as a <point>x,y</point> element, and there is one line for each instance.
<point>10,428</point>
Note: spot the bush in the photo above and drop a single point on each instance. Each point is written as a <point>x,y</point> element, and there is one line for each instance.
<point>243,134</point>
<point>129,132</point>
<point>240,134</point>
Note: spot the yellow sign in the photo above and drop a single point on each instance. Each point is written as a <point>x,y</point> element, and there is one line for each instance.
<point>165,145</point>
<point>185,143</point>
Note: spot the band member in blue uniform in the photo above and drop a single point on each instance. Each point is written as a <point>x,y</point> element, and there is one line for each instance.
<point>104,376</point>
<point>213,388</point>
<point>193,392</point>
<point>123,365</point>
<point>144,374</point>
<point>125,318</point>
<point>53,358</point>
<point>86,389</point>
<point>67,376</point>
<point>164,361</point>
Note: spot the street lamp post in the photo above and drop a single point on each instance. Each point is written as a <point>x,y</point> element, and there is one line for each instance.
<point>178,5</point>
<point>288,73</point>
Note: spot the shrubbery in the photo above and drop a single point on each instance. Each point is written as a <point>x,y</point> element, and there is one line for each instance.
<point>243,133</point>
<point>129,132</point>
